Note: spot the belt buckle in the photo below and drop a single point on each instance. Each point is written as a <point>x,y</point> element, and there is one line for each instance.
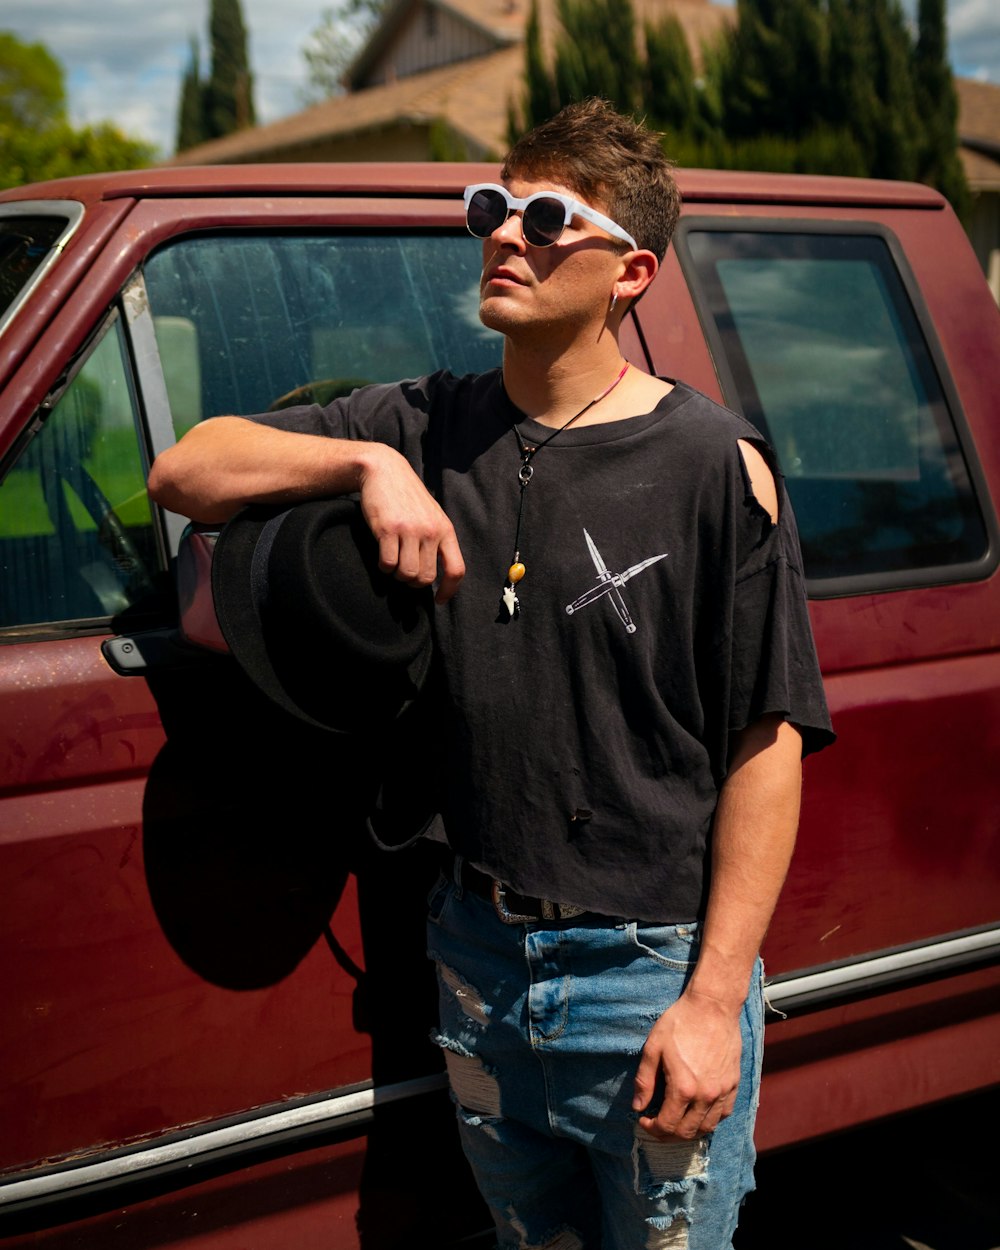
<point>549,910</point>
<point>501,909</point>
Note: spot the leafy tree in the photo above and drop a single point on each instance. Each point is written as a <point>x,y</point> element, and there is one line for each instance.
<point>61,150</point>
<point>32,87</point>
<point>228,101</point>
<point>191,111</point>
<point>334,44</point>
<point>36,140</point>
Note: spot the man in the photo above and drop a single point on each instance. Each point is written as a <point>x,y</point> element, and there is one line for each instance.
<point>632,685</point>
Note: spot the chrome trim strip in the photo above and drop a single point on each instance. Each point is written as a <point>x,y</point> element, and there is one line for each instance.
<point>810,989</point>
<point>787,992</point>
<point>188,1149</point>
<point>153,396</point>
<point>72,210</point>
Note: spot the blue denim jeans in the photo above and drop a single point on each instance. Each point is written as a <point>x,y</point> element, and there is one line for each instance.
<point>541,1027</point>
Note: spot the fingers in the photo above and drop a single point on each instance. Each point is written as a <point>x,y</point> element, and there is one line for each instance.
<point>693,1104</point>
<point>645,1079</point>
<point>694,1119</point>
<point>452,567</point>
<point>416,541</point>
<point>416,555</point>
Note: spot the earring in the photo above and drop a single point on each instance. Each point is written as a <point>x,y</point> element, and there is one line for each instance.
<point>614,302</point>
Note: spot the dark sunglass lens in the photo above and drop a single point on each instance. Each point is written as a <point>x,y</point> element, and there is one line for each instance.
<point>543,222</point>
<point>487,210</point>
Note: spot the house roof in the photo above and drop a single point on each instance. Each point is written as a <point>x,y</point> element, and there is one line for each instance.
<point>501,22</point>
<point>470,96</point>
<point>979,132</point>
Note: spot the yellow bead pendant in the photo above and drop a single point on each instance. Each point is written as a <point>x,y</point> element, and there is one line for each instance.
<point>516,572</point>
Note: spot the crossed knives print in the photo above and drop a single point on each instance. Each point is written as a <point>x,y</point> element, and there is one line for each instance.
<point>610,584</point>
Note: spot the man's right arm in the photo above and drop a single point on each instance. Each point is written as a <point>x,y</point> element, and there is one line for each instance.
<point>224,463</point>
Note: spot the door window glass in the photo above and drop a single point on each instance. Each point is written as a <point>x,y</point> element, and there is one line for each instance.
<point>76,537</point>
<point>825,355</point>
<point>248,323</point>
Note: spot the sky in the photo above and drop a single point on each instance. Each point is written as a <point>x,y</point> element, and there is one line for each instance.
<point>124,59</point>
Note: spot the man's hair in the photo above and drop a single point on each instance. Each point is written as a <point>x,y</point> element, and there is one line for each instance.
<point>611,162</point>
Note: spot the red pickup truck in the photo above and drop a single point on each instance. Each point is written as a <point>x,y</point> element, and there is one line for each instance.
<point>206,1039</point>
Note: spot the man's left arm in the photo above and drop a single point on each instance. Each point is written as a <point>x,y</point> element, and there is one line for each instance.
<point>695,1045</point>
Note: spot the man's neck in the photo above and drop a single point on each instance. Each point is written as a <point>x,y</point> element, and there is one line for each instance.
<point>552,388</point>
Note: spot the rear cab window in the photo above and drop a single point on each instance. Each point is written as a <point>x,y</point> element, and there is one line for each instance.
<point>818,339</point>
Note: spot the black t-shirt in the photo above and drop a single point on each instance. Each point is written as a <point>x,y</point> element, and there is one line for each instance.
<point>660,613</point>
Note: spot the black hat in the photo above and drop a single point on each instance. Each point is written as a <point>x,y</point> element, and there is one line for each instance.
<point>313,621</point>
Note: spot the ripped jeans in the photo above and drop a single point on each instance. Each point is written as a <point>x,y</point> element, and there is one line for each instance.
<point>541,1027</point>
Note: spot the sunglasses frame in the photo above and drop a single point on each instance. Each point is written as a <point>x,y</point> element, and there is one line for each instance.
<point>571,208</point>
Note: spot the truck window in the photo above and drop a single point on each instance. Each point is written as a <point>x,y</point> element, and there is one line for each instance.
<point>76,537</point>
<point>252,322</point>
<point>818,344</point>
<point>31,236</point>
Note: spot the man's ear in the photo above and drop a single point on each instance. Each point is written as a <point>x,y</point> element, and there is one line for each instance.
<point>640,270</point>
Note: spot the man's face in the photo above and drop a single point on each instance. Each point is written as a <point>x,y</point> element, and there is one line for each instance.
<point>566,287</point>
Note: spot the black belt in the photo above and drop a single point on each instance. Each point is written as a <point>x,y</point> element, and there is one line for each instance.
<point>510,906</point>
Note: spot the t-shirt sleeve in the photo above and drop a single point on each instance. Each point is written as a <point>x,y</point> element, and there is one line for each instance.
<point>397,414</point>
<point>772,653</point>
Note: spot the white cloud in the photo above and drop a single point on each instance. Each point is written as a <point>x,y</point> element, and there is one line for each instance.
<point>974,38</point>
<point>125,63</point>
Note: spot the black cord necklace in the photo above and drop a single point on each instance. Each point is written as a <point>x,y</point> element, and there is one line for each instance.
<point>509,601</point>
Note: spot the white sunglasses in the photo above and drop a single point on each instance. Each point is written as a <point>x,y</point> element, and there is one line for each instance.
<point>544,215</point>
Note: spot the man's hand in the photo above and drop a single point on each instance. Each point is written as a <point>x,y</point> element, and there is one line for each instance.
<point>222,464</point>
<point>415,537</point>
<point>694,1049</point>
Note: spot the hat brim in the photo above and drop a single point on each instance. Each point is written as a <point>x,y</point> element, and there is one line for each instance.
<point>313,622</point>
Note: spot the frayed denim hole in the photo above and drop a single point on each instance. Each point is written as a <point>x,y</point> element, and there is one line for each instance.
<point>469,999</point>
<point>674,946</point>
<point>669,1174</point>
<point>667,1233</point>
<point>564,1238</point>
<point>474,1087</point>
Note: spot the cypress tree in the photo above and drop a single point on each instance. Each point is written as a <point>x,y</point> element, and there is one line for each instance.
<point>895,117</point>
<point>190,114</point>
<point>228,104</point>
<point>937,159</point>
<point>540,96</point>
<point>596,53</point>
<point>670,94</point>
<point>775,68</point>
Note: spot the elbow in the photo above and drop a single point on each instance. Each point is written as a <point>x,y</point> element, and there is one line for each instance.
<point>163,485</point>
<point>181,480</point>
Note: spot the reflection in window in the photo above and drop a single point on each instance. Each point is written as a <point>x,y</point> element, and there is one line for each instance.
<point>76,538</point>
<point>246,323</point>
<point>829,361</point>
